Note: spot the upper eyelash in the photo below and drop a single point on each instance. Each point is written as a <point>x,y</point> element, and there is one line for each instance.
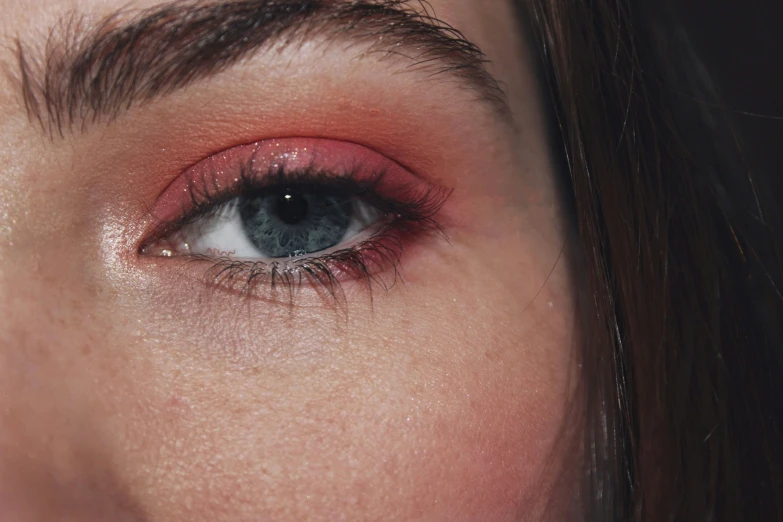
<point>207,198</point>
<point>413,213</point>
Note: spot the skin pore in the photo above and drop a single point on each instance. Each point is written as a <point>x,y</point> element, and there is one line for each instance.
<point>131,389</point>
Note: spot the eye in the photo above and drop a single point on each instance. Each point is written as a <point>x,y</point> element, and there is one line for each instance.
<point>279,224</point>
<point>297,212</point>
<point>295,221</point>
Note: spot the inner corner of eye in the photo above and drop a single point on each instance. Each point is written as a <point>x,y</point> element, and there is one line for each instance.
<point>157,248</point>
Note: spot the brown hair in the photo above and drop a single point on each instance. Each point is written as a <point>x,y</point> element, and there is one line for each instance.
<point>682,358</point>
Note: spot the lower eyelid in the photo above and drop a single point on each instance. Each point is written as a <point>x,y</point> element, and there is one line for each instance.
<point>372,263</point>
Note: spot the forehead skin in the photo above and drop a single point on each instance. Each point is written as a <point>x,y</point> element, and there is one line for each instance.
<point>127,395</point>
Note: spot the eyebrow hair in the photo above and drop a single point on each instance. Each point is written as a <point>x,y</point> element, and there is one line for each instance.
<point>89,74</point>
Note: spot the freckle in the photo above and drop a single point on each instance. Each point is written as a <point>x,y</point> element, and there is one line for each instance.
<point>86,350</point>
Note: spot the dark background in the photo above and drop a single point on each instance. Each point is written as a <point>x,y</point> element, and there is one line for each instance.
<point>741,44</point>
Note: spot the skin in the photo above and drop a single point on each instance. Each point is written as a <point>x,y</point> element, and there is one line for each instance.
<point>129,390</point>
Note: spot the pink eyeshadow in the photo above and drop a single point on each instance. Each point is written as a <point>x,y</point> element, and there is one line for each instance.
<point>222,170</point>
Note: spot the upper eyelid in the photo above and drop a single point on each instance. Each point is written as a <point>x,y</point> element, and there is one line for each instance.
<point>206,199</point>
<point>201,195</point>
<point>116,64</point>
<point>286,159</point>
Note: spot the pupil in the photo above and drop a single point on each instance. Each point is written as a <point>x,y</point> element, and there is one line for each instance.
<point>291,208</point>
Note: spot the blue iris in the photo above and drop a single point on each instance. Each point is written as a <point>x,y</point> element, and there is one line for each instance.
<point>289,223</point>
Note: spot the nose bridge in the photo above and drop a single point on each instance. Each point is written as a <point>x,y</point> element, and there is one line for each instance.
<point>54,460</point>
<point>27,298</point>
<point>21,312</point>
<point>40,274</point>
<point>30,342</point>
<point>32,441</point>
<point>34,330</point>
<point>43,323</point>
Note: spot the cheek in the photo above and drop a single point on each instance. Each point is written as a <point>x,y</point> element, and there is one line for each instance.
<point>446,412</point>
<point>422,422</point>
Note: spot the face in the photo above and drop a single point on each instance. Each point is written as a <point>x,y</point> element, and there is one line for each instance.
<point>264,263</point>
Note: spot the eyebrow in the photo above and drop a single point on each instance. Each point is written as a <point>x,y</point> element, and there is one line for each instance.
<point>86,75</point>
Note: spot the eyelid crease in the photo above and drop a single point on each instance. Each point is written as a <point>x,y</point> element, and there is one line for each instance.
<point>92,73</point>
